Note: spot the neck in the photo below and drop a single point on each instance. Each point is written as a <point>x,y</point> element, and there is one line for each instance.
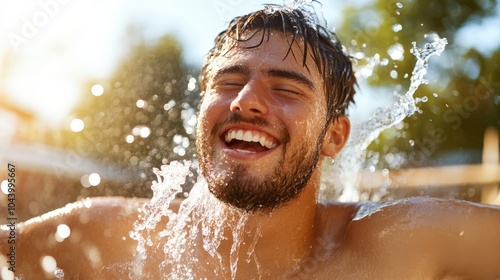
<point>277,240</point>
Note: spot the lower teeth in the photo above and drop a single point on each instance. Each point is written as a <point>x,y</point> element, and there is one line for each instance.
<point>245,151</point>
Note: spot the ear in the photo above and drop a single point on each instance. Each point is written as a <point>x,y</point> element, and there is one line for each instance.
<point>336,136</point>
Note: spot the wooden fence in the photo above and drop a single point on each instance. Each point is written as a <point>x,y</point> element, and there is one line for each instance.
<point>486,174</point>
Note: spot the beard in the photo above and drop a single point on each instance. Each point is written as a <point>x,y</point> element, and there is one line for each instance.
<point>234,185</point>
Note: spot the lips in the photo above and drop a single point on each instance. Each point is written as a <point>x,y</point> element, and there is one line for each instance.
<point>249,141</point>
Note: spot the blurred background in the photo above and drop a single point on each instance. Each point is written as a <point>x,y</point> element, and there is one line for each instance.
<point>95,94</point>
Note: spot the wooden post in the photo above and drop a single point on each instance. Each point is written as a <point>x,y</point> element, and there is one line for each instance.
<point>490,192</point>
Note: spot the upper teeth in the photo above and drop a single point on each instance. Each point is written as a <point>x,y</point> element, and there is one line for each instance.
<point>249,136</point>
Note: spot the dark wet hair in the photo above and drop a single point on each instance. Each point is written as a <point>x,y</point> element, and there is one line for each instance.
<point>324,47</point>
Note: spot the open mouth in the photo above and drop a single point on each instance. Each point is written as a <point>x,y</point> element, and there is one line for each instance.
<point>248,141</point>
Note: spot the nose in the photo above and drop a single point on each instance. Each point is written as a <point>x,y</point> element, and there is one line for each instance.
<point>250,100</point>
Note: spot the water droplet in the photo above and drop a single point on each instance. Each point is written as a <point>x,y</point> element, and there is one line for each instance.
<point>49,264</point>
<point>432,37</point>
<point>435,94</point>
<point>140,103</point>
<point>399,5</point>
<point>97,90</point>
<point>144,131</point>
<point>77,125</point>
<point>129,138</point>
<point>394,74</point>
<point>397,27</point>
<point>396,52</point>
<point>411,142</point>
<point>62,232</point>
<point>5,186</point>
<point>169,105</point>
<point>94,179</point>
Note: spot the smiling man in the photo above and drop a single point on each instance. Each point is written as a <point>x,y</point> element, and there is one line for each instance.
<point>276,90</point>
<point>276,86</point>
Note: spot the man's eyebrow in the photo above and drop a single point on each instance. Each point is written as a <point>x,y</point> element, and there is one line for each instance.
<point>278,73</point>
<point>233,69</point>
<point>291,75</point>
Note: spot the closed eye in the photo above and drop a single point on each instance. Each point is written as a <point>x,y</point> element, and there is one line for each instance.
<point>287,90</point>
<point>229,86</point>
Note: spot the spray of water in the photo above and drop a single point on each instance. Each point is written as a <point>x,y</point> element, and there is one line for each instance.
<point>195,232</point>
<point>202,223</point>
<point>342,176</point>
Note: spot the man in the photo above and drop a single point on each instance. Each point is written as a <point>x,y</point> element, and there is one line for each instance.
<point>276,87</point>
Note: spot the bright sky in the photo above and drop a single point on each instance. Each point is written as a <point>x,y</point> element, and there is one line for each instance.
<point>50,48</point>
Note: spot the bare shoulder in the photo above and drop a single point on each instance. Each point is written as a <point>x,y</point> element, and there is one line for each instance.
<point>425,218</point>
<point>92,212</point>
<point>82,237</point>
<point>415,212</point>
<point>436,237</point>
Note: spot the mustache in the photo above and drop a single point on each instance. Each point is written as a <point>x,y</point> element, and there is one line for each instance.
<point>258,121</point>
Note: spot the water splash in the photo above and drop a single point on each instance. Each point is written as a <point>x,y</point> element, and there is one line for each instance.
<point>343,174</point>
<point>307,7</point>
<point>200,226</point>
<point>195,232</point>
<point>158,207</point>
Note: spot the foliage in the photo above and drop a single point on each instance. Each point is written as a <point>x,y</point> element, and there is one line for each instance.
<point>144,118</point>
<point>463,94</point>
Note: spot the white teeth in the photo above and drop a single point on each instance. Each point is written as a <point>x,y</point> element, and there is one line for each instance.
<point>262,141</point>
<point>245,151</point>
<point>239,135</point>
<point>249,136</point>
<point>255,137</point>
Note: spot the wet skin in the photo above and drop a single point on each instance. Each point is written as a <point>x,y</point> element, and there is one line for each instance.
<point>418,238</point>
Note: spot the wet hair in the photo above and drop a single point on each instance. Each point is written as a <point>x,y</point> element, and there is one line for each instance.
<point>323,46</point>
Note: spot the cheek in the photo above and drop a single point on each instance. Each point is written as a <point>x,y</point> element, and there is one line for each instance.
<point>211,110</point>
<point>305,121</point>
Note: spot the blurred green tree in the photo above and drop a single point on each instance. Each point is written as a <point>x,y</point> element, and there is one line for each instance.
<point>463,97</point>
<point>144,118</point>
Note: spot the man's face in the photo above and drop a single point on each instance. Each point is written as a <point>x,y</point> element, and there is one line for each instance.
<point>261,124</point>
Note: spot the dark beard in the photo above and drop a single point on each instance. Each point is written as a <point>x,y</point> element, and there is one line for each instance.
<point>237,188</point>
<point>264,195</point>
